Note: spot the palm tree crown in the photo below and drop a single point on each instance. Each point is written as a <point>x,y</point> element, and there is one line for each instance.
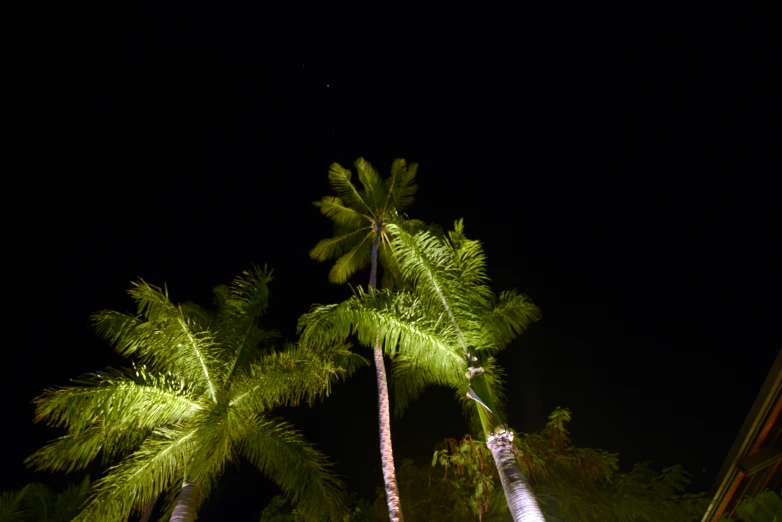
<point>449,321</point>
<point>199,396</point>
<point>359,215</point>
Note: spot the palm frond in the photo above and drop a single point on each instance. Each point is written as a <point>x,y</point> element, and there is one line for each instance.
<point>298,373</point>
<point>127,487</point>
<point>250,291</point>
<point>37,502</point>
<point>165,339</point>
<point>431,267</point>
<point>198,315</point>
<point>414,226</point>
<point>400,185</point>
<point>392,274</point>
<point>243,345</point>
<point>68,502</point>
<point>511,314</point>
<point>111,413</point>
<point>240,335</point>
<point>13,507</point>
<point>73,452</point>
<point>395,317</point>
<point>218,435</point>
<point>243,337</point>
<point>354,260</point>
<point>302,473</point>
<point>130,335</point>
<point>373,185</point>
<point>335,247</point>
<point>41,500</point>
<point>339,178</point>
<point>409,380</point>
<point>342,215</point>
<point>468,258</point>
<point>133,399</point>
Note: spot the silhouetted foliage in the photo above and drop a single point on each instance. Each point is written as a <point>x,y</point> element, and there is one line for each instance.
<point>573,484</point>
<point>766,507</point>
<point>39,503</point>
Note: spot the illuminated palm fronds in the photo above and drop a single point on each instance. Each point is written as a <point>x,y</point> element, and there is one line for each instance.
<point>198,396</point>
<point>428,330</point>
<point>360,212</point>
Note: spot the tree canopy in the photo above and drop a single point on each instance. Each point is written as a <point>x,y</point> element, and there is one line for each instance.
<point>200,394</point>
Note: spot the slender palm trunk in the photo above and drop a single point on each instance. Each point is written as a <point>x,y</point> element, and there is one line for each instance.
<point>148,510</point>
<point>386,450</point>
<point>187,503</point>
<point>521,501</point>
<point>384,412</point>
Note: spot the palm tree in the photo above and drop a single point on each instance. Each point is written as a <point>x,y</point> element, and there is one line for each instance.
<point>444,331</point>
<point>198,396</point>
<point>362,236</point>
<point>37,502</point>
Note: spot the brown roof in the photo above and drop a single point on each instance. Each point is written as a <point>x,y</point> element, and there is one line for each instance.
<point>753,462</point>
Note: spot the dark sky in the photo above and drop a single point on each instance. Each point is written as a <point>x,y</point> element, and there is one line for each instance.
<point>621,175</point>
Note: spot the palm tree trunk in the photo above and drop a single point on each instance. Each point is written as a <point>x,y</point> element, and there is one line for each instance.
<point>386,449</point>
<point>187,503</point>
<point>521,501</point>
<point>148,510</point>
<point>384,411</point>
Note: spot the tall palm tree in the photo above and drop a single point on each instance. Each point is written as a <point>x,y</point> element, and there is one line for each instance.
<point>199,396</point>
<point>444,331</point>
<point>362,237</point>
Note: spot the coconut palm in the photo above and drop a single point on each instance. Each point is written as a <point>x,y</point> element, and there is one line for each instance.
<point>200,395</point>
<point>445,331</point>
<point>362,237</point>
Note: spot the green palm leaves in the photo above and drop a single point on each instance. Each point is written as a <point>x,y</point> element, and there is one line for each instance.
<point>39,503</point>
<point>430,329</point>
<point>198,397</point>
<point>359,214</point>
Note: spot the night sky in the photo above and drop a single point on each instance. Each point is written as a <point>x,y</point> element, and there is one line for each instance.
<point>620,175</point>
